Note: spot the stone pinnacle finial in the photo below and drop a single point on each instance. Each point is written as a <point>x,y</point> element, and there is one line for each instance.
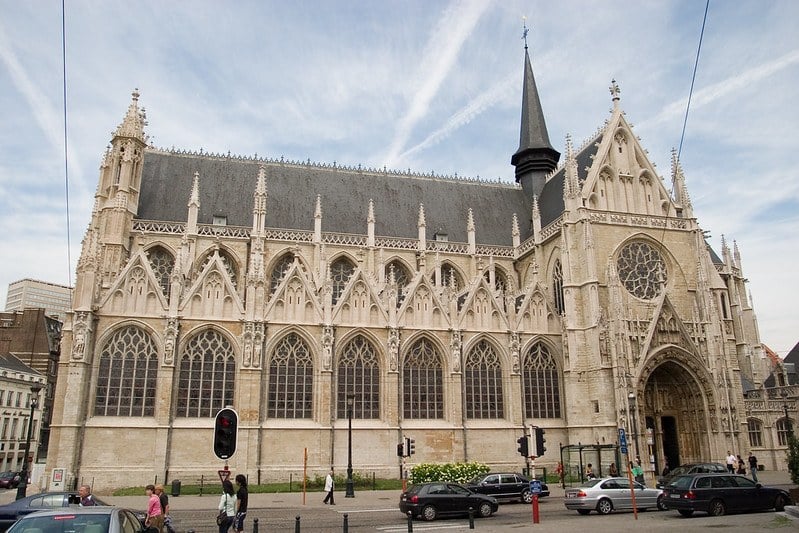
<point>614,92</point>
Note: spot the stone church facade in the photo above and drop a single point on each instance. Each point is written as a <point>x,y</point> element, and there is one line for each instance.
<point>452,311</point>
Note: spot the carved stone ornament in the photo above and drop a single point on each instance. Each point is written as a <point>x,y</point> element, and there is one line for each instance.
<point>455,349</point>
<point>515,345</point>
<point>393,348</point>
<point>327,347</point>
<point>170,336</point>
<point>80,333</point>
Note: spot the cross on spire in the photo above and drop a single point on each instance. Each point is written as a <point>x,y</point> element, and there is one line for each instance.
<point>524,33</point>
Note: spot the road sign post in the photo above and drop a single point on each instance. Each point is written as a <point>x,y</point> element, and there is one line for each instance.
<point>535,490</point>
<point>624,450</point>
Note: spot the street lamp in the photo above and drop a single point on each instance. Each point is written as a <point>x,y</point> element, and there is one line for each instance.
<point>22,488</point>
<point>350,489</point>
<point>631,400</point>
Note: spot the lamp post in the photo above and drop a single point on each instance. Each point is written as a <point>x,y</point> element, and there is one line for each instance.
<point>22,488</point>
<point>631,400</point>
<point>350,489</point>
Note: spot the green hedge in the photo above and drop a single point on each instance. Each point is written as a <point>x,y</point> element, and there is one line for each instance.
<point>454,472</point>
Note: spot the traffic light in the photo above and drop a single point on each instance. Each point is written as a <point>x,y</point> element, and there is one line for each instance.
<point>226,428</point>
<point>401,449</point>
<point>524,448</point>
<point>410,446</point>
<point>539,442</point>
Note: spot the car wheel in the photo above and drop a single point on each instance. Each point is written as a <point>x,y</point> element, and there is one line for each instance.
<point>484,510</point>
<point>604,506</point>
<point>686,512</point>
<point>717,508</point>
<point>527,496</point>
<point>583,511</point>
<point>779,503</point>
<point>662,503</point>
<point>429,513</point>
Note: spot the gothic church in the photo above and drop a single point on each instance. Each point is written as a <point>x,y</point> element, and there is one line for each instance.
<point>457,312</point>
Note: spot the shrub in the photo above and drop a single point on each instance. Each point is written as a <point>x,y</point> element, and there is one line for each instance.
<point>454,472</point>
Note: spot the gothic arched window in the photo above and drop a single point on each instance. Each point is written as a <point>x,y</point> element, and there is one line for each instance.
<point>557,287</point>
<point>358,375</point>
<point>755,429</point>
<point>541,384</point>
<point>450,277</point>
<point>207,374</point>
<point>162,263</point>
<point>483,376</point>
<point>500,279</point>
<point>422,382</point>
<point>279,271</point>
<point>290,385</point>
<point>127,375</point>
<point>784,427</point>
<point>340,273</point>
<point>402,277</point>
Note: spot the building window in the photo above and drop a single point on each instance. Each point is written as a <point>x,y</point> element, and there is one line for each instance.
<point>422,382</point>
<point>642,270</point>
<point>755,429</point>
<point>291,379</point>
<point>500,280</point>
<point>784,427</point>
<point>359,375</point>
<point>540,382</point>
<point>162,264</point>
<point>402,277</point>
<point>206,379</point>
<point>127,375</point>
<point>483,375</point>
<point>557,287</point>
<point>279,271</point>
<point>450,277</point>
<point>340,272</point>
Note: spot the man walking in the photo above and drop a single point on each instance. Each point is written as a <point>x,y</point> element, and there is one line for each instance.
<point>731,462</point>
<point>753,466</point>
<point>329,485</point>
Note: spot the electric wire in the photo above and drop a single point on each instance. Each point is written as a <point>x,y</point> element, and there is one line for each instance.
<point>693,79</point>
<point>66,150</point>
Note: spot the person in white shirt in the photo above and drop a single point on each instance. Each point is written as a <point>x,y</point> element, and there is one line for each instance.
<point>731,460</point>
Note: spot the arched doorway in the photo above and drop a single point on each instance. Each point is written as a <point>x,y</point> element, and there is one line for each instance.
<point>677,403</point>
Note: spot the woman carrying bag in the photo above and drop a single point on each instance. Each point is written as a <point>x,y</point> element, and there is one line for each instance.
<point>227,507</point>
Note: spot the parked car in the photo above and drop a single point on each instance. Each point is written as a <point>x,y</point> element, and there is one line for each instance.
<point>505,486</point>
<point>431,500</point>
<point>611,494</point>
<point>718,494</point>
<point>11,512</point>
<point>83,519</point>
<point>9,480</point>
<point>690,468</point>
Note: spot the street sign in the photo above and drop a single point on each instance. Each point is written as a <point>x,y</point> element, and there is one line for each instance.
<point>535,486</point>
<point>623,441</point>
<point>224,475</point>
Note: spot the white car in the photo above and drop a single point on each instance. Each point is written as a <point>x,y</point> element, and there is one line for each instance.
<point>611,493</point>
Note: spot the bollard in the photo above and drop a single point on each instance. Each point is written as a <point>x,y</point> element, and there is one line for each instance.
<point>297,524</point>
<point>410,522</point>
<point>471,517</point>
<point>346,523</point>
<point>255,526</point>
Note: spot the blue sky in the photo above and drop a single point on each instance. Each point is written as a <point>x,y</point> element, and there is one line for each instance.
<point>427,85</point>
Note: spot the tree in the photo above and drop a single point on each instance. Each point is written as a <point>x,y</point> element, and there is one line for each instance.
<point>793,458</point>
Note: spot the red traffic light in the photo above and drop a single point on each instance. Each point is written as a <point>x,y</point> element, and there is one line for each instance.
<point>226,427</point>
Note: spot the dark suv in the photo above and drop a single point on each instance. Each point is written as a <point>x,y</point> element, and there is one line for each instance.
<point>691,468</point>
<point>718,494</point>
<point>507,485</point>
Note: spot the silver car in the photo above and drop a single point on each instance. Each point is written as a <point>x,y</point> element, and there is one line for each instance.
<point>611,493</point>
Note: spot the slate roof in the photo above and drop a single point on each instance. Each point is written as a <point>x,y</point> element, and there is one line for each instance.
<point>227,185</point>
<point>12,363</point>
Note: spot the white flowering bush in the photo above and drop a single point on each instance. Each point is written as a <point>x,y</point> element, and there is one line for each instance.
<point>454,472</point>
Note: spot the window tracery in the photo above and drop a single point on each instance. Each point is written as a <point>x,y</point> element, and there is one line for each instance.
<point>206,377</point>
<point>340,273</point>
<point>279,271</point>
<point>422,382</point>
<point>290,388</point>
<point>127,375</point>
<point>358,375</point>
<point>557,287</point>
<point>162,263</point>
<point>483,376</point>
<point>541,383</point>
<point>642,270</point>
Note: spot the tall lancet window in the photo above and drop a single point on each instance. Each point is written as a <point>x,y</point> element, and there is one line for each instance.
<point>290,387</point>
<point>402,277</point>
<point>206,377</point>
<point>557,287</point>
<point>162,263</point>
<point>340,273</point>
<point>359,375</point>
<point>422,382</point>
<point>127,375</point>
<point>483,376</point>
<point>541,383</point>
<point>279,271</point>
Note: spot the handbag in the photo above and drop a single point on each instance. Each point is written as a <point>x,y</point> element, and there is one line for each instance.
<point>221,517</point>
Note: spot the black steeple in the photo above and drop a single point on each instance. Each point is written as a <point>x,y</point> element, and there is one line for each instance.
<point>535,157</point>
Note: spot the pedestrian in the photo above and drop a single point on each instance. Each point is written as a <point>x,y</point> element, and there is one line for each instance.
<point>666,468</point>
<point>638,472</point>
<point>227,503</point>
<point>741,468</point>
<point>155,519</point>
<point>753,466</point>
<point>164,500</point>
<point>86,499</point>
<point>242,497</point>
<point>589,471</point>
<point>329,486</point>
<point>613,471</point>
<point>730,462</point>
<point>561,474</point>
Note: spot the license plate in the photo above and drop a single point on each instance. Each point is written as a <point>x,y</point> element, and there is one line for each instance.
<point>674,495</point>
<point>569,495</point>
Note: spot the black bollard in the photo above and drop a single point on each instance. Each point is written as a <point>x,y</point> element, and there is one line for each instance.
<point>410,522</point>
<point>346,523</point>
<point>255,526</point>
<point>297,524</point>
<point>471,517</point>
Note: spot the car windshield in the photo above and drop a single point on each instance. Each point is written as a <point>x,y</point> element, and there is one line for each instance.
<point>591,482</point>
<point>681,482</point>
<point>678,471</point>
<point>62,523</point>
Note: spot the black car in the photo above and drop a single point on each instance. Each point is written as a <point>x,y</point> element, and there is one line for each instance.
<point>9,480</point>
<point>431,500</point>
<point>718,494</point>
<point>84,519</point>
<point>11,512</point>
<point>691,468</point>
<point>505,486</point>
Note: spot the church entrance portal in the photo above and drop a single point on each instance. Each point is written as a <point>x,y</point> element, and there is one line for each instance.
<point>676,417</point>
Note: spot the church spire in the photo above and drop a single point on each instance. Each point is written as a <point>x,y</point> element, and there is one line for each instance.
<point>135,120</point>
<point>535,157</point>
